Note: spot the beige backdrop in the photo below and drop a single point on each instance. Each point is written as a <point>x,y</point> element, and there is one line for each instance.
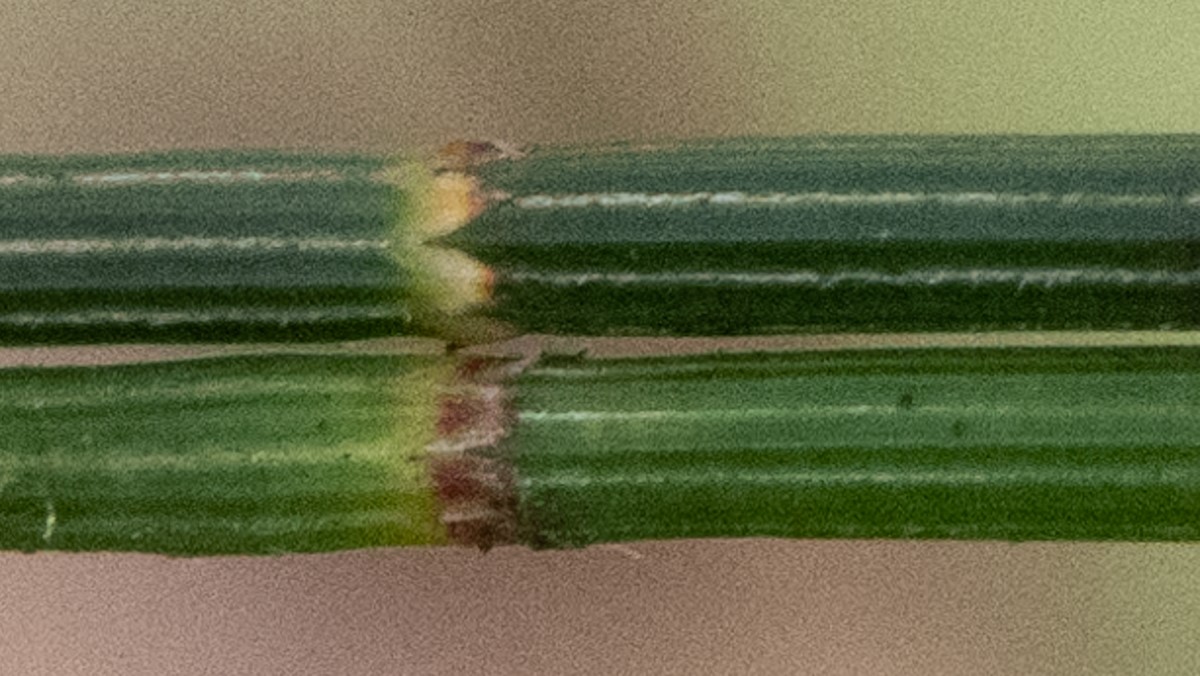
<point>104,75</point>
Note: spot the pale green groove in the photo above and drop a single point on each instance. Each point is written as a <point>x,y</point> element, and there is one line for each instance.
<point>1017,444</point>
<point>240,455</point>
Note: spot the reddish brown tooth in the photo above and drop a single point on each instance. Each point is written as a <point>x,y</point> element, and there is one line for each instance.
<point>473,369</point>
<point>471,533</point>
<point>483,529</point>
<point>457,480</point>
<point>469,368</point>
<point>456,413</point>
<point>462,155</point>
<point>487,285</point>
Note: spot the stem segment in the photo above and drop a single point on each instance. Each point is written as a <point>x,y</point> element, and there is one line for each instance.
<point>263,454</point>
<point>873,234</point>
<point>318,452</point>
<point>201,246</point>
<point>1048,444</point>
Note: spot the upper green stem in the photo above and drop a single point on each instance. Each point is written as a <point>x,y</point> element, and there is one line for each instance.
<point>703,237</point>
<point>823,234</point>
<point>209,246</point>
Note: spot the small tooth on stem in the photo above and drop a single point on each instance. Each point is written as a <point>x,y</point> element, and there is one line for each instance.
<point>459,282</point>
<point>472,479</point>
<point>451,201</point>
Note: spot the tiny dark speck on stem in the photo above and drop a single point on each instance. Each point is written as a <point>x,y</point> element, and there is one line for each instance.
<point>906,401</point>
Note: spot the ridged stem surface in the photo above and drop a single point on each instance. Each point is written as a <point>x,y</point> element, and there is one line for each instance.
<point>243,455</point>
<point>1014,444</point>
<point>199,246</point>
<point>819,234</point>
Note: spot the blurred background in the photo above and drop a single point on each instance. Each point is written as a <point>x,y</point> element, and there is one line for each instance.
<point>387,75</point>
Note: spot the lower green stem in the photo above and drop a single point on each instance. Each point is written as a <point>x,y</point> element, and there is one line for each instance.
<point>1068,444</point>
<point>311,452</point>
<point>262,454</point>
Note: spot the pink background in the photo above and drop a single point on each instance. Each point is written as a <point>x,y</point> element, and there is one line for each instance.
<point>109,75</point>
<point>724,607</point>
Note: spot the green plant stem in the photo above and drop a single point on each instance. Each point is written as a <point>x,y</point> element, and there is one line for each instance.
<point>198,246</point>
<point>1012,444</point>
<point>243,455</point>
<point>821,234</point>
<point>277,453</point>
<point>809,234</point>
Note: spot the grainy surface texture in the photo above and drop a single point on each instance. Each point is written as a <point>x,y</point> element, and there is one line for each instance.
<point>126,75</point>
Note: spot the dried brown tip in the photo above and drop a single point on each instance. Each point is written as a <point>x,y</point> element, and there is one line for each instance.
<point>479,503</point>
<point>462,155</point>
<point>471,475</point>
<point>470,414</point>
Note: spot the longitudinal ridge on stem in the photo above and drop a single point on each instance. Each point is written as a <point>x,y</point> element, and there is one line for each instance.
<point>821,234</point>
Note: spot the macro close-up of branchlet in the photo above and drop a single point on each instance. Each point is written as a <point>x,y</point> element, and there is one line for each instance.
<point>990,337</point>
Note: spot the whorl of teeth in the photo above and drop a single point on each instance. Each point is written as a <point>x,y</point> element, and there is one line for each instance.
<point>471,474</point>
